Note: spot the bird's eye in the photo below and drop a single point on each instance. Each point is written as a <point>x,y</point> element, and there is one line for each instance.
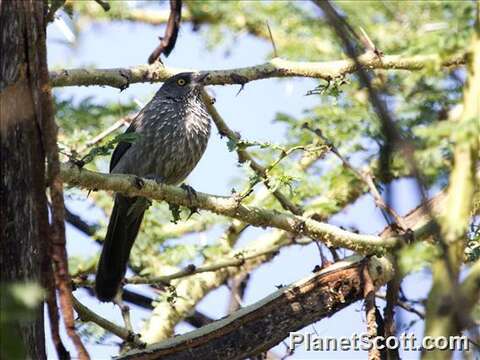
<point>181,82</point>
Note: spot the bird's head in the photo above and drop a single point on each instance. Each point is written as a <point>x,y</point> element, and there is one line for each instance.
<point>183,84</point>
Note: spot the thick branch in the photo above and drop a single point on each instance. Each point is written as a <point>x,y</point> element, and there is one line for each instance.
<point>289,309</point>
<point>191,290</point>
<point>275,68</point>
<point>229,206</point>
<point>446,314</point>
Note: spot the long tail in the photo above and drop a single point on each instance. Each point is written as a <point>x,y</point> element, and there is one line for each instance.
<point>125,221</point>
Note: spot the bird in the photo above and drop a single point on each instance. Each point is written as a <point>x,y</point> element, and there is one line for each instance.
<point>170,136</point>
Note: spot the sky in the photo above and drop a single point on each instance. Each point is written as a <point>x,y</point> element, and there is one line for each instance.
<point>251,113</point>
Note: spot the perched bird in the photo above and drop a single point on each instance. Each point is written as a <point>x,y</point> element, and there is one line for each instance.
<point>172,132</point>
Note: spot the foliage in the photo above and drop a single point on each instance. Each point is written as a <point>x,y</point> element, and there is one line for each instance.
<point>18,305</point>
<point>423,104</point>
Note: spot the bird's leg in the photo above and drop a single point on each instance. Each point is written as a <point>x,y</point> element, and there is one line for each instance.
<point>191,194</point>
<point>138,182</point>
<point>193,210</point>
<point>125,310</point>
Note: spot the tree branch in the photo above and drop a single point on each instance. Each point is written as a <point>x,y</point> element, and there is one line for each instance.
<point>49,132</point>
<point>289,309</point>
<point>229,206</point>
<point>366,177</point>
<point>275,68</point>
<point>167,42</point>
<point>244,156</point>
<point>85,314</point>
<point>470,287</point>
<point>193,289</point>
<point>404,305</point>
<point>447,312</point>
<point>242,326</point>
<point>79,223</point>
<point>370,312</point>
<point>237,259</point>
<point>196,319</point>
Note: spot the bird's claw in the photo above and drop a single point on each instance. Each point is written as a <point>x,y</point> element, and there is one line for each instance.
<point>193,210</point>
<point>138,182</point>
<point>191,193</point>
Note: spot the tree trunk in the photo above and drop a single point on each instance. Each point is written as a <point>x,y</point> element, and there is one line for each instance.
<point>24,212</point>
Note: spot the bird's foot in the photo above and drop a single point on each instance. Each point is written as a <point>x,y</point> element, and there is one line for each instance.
<point>138,182</point>
<point>193,210</point>
<point>191,193</point>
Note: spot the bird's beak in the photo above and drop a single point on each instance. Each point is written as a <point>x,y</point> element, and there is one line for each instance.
<point>199,79</point>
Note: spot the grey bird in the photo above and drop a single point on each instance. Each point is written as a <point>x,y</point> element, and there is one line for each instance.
<point>173,130</point>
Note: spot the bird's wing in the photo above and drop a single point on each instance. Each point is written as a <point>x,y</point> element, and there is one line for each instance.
<point>121,147</point>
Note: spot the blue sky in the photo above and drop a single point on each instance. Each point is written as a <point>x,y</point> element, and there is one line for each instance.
<point>251,113</point>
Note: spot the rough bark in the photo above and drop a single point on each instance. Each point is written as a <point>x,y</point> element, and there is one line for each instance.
<point>288,309</point>
<point>24,214</point>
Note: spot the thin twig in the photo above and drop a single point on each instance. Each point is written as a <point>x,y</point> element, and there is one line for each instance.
<point>117,125</point>
<point>236,260</point>
<point>275,54</point>
<point>404,305</point>
<point>263,174</point>
<point>85,314</point>
<point>196,319</point>
<point>368,43</point>
<point>244,156</point>
<point>167,42</point>
<point>366,177</point>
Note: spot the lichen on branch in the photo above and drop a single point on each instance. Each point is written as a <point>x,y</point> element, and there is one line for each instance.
<point>275,68</point>
<point>231,207</point>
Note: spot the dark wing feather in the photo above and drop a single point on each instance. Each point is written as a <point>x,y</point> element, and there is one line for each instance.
<point>121,148</point>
